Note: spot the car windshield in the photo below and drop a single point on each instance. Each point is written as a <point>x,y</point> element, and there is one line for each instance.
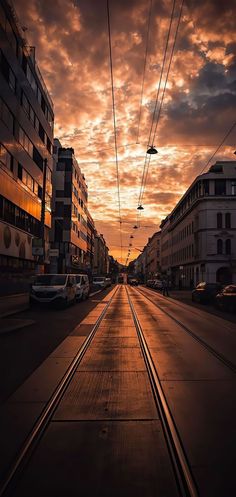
<point>50,280</point>
<point>78,278</point>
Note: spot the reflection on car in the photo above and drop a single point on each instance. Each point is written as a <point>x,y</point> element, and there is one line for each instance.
<point>82,286</point>
<point>205,292</point>
<point>100,281</point>
<point>226,299</point>
<point>53,288</point>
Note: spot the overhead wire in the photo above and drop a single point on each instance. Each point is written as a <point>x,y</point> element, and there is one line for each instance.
<point>114,124</point>
<point>218,147</point>
<point>164,90</point>
<point>148,158</point>
<point>162,68</point>
<point>168,70</point>
<point>144,69</point>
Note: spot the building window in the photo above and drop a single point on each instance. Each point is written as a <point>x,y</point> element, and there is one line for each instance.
<point>6,158</point>
<point>8,73</point>
<point>219,220</point>
<point>228,246</point>
<point>228,220</point>
<point>41,133</point>
<point>233,188</point>
<point>205,187</point>
<point>220,186</point>
<point>6,116</point>
<point>219,246</point>
<point>20,171</point>
<point>11,37</point>
<point>25,142</point>
<point>37,158</point>
<point>27,180</point>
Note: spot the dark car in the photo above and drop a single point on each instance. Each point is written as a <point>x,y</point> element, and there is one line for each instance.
<point>226,299</point>
<point>133,282</point>
<point>205,292</point>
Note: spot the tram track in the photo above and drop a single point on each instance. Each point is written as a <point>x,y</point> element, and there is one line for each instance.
<point>186,329</point>
<point>50,408</point>
<point>181,467</point>
<point>178,461</point>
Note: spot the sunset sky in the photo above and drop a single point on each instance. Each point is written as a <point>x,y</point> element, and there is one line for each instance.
<point>72,50</point>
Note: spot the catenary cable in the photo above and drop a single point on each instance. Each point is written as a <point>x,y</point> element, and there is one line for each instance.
<point>114,124</point>
<point>144,69</point>
<point>219,146</point>
<point>157,97</point>
<point>163,93</point>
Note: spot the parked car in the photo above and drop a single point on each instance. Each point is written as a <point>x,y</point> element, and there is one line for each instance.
<point>205,292</point>
<point>53,288</point>
<point>133,282</point>
<point>150,283</point>
<point>108,281</point>
<point>226,299</point>
<point>157,284</point>
<point>82,286</point>
<point>100,281</point>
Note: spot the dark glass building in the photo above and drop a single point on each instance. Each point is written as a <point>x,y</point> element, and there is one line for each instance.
<point>26,140</point>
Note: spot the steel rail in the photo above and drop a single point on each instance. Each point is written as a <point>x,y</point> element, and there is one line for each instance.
<point>50,407</point>
<point>177,303</point>
<point>198,339</point>
<point>184,478</point>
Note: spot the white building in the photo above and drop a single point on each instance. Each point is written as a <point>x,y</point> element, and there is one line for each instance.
<point>198,239</point>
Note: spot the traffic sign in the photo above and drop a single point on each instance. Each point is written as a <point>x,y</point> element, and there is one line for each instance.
<point>54,253</point>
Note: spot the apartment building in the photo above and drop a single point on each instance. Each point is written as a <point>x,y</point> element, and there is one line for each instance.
<point>69,222</point>
<point>90,242</point>
<point>198,238</point>
<point>153,255</point>
<point>101,257</point>
<point>26,137</point>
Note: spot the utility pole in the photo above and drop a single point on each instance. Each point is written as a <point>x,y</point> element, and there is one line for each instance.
<point>43,206</point>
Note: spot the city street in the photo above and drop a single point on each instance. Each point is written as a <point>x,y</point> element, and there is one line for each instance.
<point>117,248</point>
<point>137,381</point>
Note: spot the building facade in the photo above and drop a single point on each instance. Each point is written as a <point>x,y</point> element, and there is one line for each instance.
<point>101,259</point>
<point>198,238</point>
<point>140,265</point>
<point>153,256</point>
<point>90,242</point>
<point>26,137</point>
<point>69,221</point>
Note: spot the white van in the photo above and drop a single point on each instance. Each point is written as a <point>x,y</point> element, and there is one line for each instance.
<point>82,286</point>
<point>53,288</point>
<point>100,281</point>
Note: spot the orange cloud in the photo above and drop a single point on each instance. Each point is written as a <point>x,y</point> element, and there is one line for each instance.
<point>72,51</point>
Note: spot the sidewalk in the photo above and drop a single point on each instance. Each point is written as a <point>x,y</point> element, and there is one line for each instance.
<point>183,295</point>
<point>11,304</point>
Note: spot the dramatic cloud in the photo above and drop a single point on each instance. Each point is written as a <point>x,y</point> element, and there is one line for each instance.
<point>71,39</point>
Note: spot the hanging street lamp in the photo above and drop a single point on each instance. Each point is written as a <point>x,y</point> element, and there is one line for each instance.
<point>152,150</point>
